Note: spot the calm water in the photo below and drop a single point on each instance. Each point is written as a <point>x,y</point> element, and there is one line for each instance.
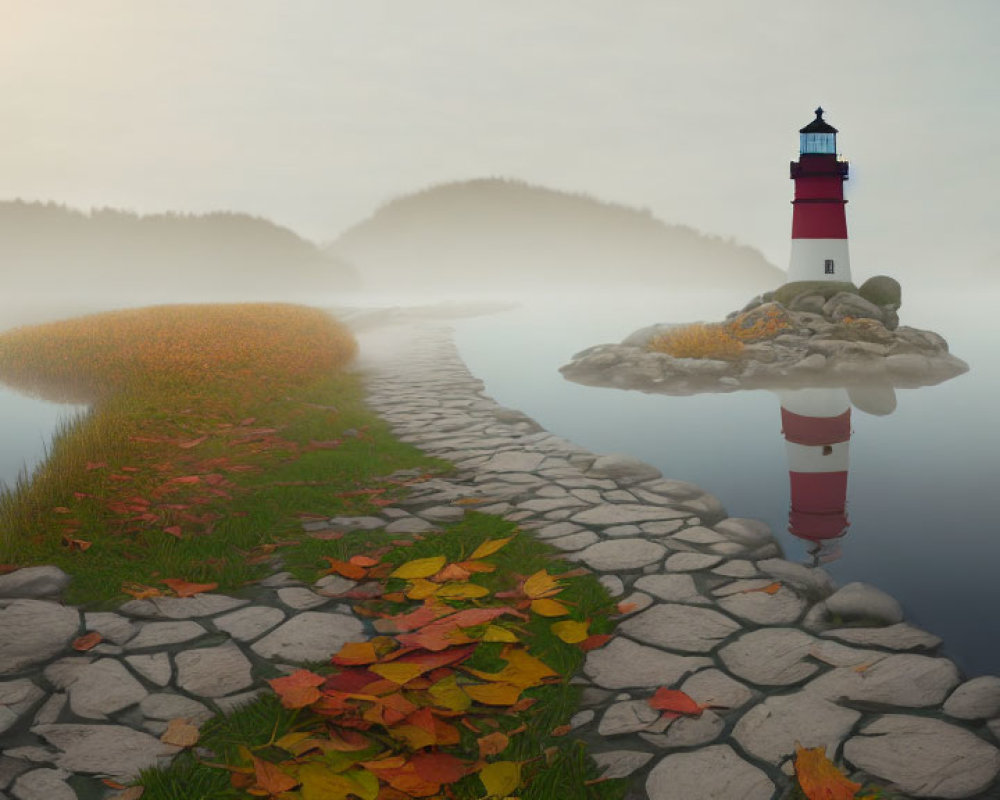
<point>922,480</point>
<point>26,426</point>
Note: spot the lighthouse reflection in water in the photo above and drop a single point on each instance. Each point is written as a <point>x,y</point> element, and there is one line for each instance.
<point>816,424</point>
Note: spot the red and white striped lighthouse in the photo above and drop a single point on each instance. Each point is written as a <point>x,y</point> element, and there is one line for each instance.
<point>816,424</point>
<point>819,224</point>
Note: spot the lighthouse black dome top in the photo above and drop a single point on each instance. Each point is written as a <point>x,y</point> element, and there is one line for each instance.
<point>819,136</point>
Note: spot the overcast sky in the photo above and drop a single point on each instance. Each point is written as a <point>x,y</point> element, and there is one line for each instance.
<point>313,112</point>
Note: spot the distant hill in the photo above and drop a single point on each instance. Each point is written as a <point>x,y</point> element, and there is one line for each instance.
<point>52,251</point>
<point>493,234</point>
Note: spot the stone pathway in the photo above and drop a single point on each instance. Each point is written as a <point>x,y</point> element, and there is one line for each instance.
<point>808,663</point>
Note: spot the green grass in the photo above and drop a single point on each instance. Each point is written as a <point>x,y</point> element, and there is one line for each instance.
<point>555,766</point>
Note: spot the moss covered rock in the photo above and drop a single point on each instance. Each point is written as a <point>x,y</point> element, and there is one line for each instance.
<point>882,291</point>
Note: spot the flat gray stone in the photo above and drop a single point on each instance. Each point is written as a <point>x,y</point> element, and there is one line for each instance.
<point>103,688</point>
<point>924,757</point>
<point>357,523</point>
<point>699,535</point>
<point>612,584</point>
<point>299,598</point>
<point>621,554</point>
<point>691,562</point>
<point>687,731</point>
<point>615,764</point>
<point>618,531</point>
<point>248,623</point>
<point>18,696</point>
<point>770,656</point>
<point>63,672</point>
<point>901,636</point>
<point>113,627</point>
<point>715,688</point>
<point>33,631</point>
<point>690,629</point>
<point>51,709</point>
<point>558,529</point>
<point>43,784</point>
<point>663,527</point>
<point>154,667</point>
<point>840,655</point>
<point>574,541</point>
<point>781,608</point>
<point>160,634</point>
<point>442,514</point>
<point>331,586</point>
<point>770,730</point>
<point>166,705</point>
<point>624,664</point>
<point>674,588</point>
<point>736,568</point>
<point>751,532</point>
<point>409,525</point>
<point>35,582</point>
<point>310,636</point>
<point>591,496</point>
<point>625,513</point>
<point>630,716</point>
<point>621,496</point>
<point>112,750</point>
<point>200,605</point>
<point>709,773</point>
<point>978,698</point>
<point>213,671</point>
<point>542,504</point>
<point>900,679</point>
<point>513,461</point>
<point>857,601</point>
<point>812,581</point>
<point>619,465</point>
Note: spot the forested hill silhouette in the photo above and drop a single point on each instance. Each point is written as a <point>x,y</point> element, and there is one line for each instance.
<point>51,251</point>
<point>494,233</point>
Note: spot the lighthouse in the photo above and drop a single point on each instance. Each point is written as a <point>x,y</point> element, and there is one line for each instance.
<point>819,224</point>
<point>816,424</point>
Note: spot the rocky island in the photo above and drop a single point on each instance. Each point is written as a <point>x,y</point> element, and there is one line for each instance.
<point>803,334</point>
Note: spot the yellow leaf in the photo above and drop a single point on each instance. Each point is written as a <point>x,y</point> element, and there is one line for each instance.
<point>570,631</point>
<point>414,736</point>
<point>493,694</point>
<point>522,669</point>
<point>367,783</point>
<point>421,588</point>
<point>819,777</point>
<point>320,783</point>
<point>181,733</point>
<point>541,584</point>
<point>398,672</point>
<point>546,607</point>
<point>289,740</point>
<point>501,777</point>
<point>462,591</point>
<point>446,693</point>
<point>488,548</point>
<point>494,633</point>
<point>419,568</point>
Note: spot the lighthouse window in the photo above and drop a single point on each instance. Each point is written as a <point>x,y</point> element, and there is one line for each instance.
<point>828,266</point>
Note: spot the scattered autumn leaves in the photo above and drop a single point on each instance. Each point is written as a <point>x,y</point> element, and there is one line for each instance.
<point>417,710</point>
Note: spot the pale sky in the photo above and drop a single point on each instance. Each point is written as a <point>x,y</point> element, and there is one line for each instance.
<point>314,112</point>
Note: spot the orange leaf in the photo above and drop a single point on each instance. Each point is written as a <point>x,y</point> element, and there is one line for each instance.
<point>771,588</point>
<point>819,777</point>
<point>439,767</point>
<point>674,702</point>
<point>345,568</point>
<point>180,733</point>
<point>561,730</point>
<point>493,694</point>
<point>627,608</point>
<point>492,744</point>
<point>183,588</point>
<point>546,607</point>
<point>271,779</point>
<point>363,561</point>
<point>298,689</point>
<point>594,641</point>
<point>76,544</point>
<point>173,530</point>
<point>541,584</point>
<point>452,572</point>
<point>87,641</point>
<point>354,653</point>
<point>140,591</point>
<point>476,566</point>
<point>92,465</point>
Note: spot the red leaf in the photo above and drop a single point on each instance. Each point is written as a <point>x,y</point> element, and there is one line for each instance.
<point>675,702</point>
<point>92,465</point>
<point>87,641</point>
<point>594,641</point>
<point>298,689</point>
<point>345,568</point>
<point>439,767</point>
<point>183,588</point>
<point>173,530</point>
<point>192,442</point>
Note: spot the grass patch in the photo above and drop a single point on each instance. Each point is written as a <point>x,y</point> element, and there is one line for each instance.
<point>212,430</point>
<point>534,741</point>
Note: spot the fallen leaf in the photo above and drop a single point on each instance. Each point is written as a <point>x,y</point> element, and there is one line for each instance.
<point>354,653</point>
<point>271,779</point>
<point>87,641</point>
<point>488,548</point>
<point>771,588</point>
<point>363,561</point>
<point>674,702</point>
<point>561,730</point>
<point>594,641</point>
<point>462,591</point>
<point>419,568</point>
<point>493,694</point>
<point>541,584</point>
<point>547,607</point>
<point>140,591</point>
<point>345,568</point>
<point>627,608</point>
<point>173,530</point>
<point>451,572</point>
<point>819,777</point>
<point>183,588</point>
<point>298,689</point>
<point>501,777</point>
<point>76,544</point>
<point>492,744</point>
<point>113,784</point>
<point>522,669</point>
<point>494,633</point>
<point>570,631</point>
<point>180,733</point>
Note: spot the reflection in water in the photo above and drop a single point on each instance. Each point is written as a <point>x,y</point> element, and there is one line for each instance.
<point>816,424</point>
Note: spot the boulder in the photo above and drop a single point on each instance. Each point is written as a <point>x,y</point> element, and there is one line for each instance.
<point>44,581</point>
<point>861,601</point>
<point>881,290</point>
<point>32,631</point>
<point>845,304</point>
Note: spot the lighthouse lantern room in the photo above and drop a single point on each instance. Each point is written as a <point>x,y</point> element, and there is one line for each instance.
<point>819,223</point>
